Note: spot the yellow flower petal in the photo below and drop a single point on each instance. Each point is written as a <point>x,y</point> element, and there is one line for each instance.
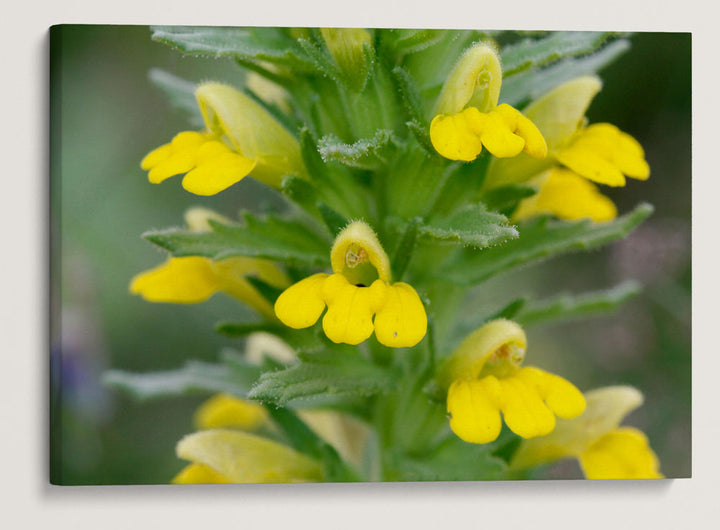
<point>154,157</point>
<point>473,409</point>
<point>535,144</point>
<point>185,280</point>
<point>523,408</point>
<point>224,410</point>
<point>200,474</point>
<point>605,409</point>
<point>621,454</point>
<point>217,174</point>
<point>557,116</point>
<point>456,136</point>
<point>590,165</point>
<point>566,195</point>
<point>561,396</point>
<point>498,135</point>
<point>247,458</point>
<point>301,304</point>
<point>621,149</point>
<point>402,321</point>
<point>351,308</point>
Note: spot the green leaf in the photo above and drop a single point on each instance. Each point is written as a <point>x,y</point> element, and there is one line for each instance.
<point>408,41</point>
<point>333,220</point>
<point>509,311</point>
<point>194,376</point>
<point>453,460</point>
<point>505,198</point>
<point>564,306</point>
<point>531,84</point>
<point>302,192</point>
<point>180,93</point>
<point>255,44</point>
<point>305,440</point>
<point>540,239</point>
<point>404,250</point>
<point>471,225</point>
<point>321,60</point>
<point>538,52</point>
<point>412,101</point>
<point>267,237</point>
<point>366,153</point>
<point>326,373</point>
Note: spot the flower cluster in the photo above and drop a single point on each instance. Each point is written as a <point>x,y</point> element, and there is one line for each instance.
<point>355,122</point>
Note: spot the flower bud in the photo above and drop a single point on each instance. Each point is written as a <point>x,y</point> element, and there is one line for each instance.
<point>347,46</point>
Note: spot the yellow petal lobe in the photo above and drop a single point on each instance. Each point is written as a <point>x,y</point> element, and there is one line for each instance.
<point>350,309</point>
<point>498,135</point>
<point>185,280</point>
<point>301,304</point>
<point>561,396</point>
<point>621,454</point>
<point>402,321</point>
<point>474,414</point>
<point>224,410</point>
<point>456,136</point>
<point>523,408</point>
<point>200,474</point>
<point>566,195</point>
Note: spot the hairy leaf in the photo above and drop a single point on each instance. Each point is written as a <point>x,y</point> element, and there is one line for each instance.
<point>180,93</point>
<point>366,153</point>
<point>533,83</point>
<point>538,52</point>
<point>471,225</point>
<point>540,239</point>
<point>564,306</point>
<point>255,44</point>
<point>319,374</point>
<point>268,237</point>
<point>194,376</point>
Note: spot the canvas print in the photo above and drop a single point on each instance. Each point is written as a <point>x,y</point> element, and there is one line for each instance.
<point>363,255</point>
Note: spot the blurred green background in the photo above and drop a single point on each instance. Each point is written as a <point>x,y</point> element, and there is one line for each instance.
<point>106,115</point>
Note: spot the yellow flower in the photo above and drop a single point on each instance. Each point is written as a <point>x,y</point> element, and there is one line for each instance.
<point>359,289</point>
<point>220,456</point>
<point>194,279</point>
<point>600,153</point>
<point>468,117</point>
<point>566,195</point>
<point>483,379</point>
<point>604,450</point>
<point>240,137</point>
<point>225,410</point>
